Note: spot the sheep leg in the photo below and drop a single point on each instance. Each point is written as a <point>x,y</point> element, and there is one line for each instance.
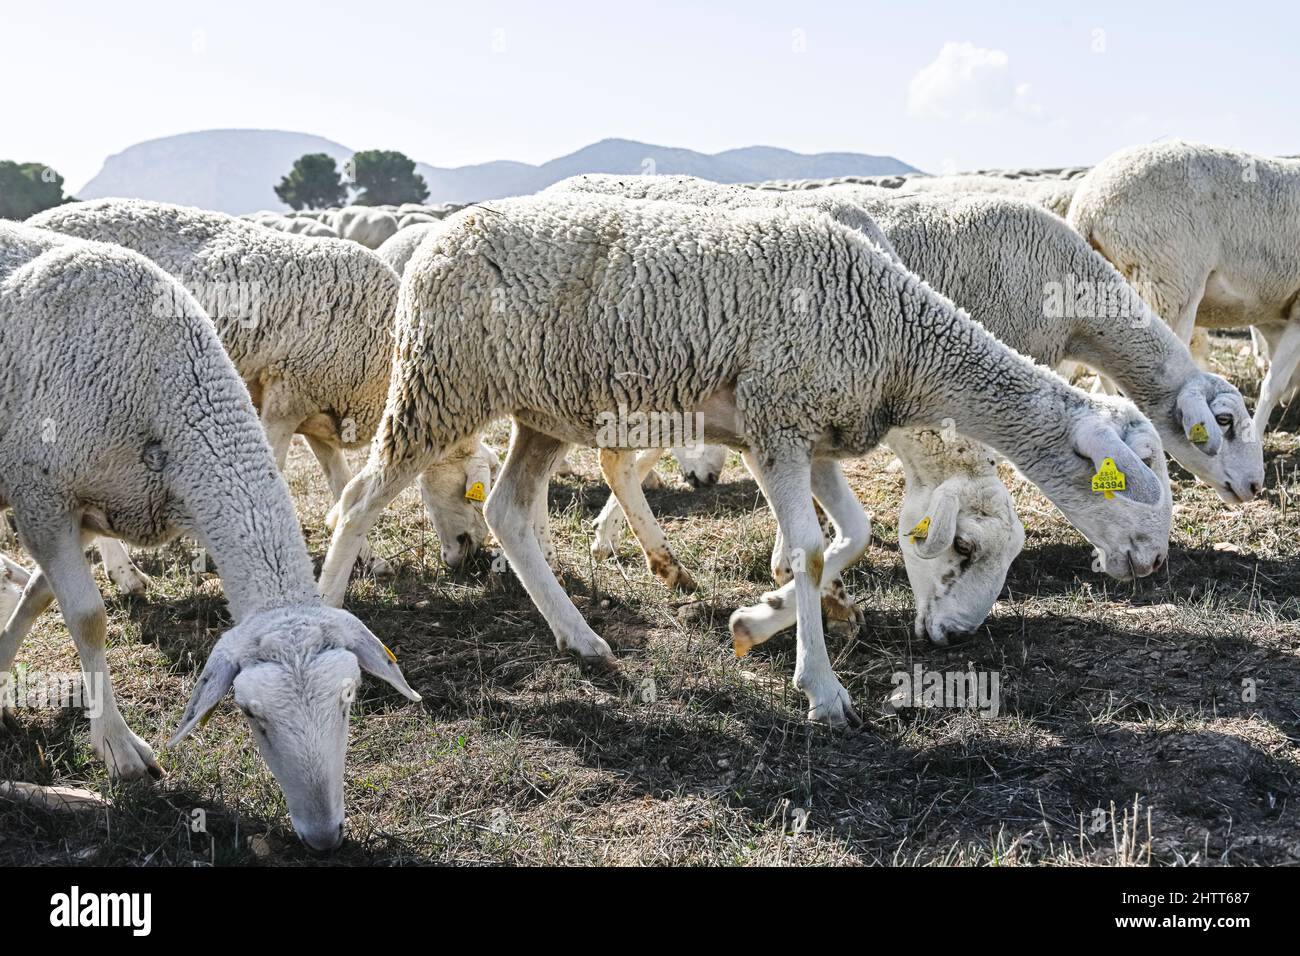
<point>17,573</point>
<point>790,483</point>
<point>621,471</point>
<point>510,515</point>
<point>776,612</point>
<point>1281,368</point>
<point>36,597</point>
<point>780,559</point>
<point>609,524</point>
<point>542,526</point>
<point>334,465</point>
<point>356,512</point>
<point>279,434</point>
<point>121,569</point>
<point>58,551</point>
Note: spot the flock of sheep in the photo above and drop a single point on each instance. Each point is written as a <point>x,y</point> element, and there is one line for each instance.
<point>162,358</point>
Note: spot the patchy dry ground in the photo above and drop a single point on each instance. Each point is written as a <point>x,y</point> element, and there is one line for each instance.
<point>1113,698</point>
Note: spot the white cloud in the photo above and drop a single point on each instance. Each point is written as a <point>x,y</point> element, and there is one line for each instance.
<point>966,82</point>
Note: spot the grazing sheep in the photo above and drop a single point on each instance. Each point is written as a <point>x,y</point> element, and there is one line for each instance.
<point>369,226</point>
<point>307,322</point>
<point>694,307</point>
<point>1001,257</point>
<point>124,417</point>
<point>1207,236</point>
<point>1052,195</point>
<point>1036,285</point>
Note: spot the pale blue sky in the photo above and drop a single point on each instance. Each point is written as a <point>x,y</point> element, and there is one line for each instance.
<point>456,83</point>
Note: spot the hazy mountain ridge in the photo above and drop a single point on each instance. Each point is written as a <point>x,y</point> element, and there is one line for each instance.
<point>235,170</point>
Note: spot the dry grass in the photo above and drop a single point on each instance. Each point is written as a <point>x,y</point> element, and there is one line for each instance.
<point>1123,736</point>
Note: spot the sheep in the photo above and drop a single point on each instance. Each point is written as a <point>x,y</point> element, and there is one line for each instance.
<point>1001,257</point>
<point>398,249</point>
<point>693,309</point>
<point>1052,195</point>
<point>414,219</point>
<point>1013,265</point>
<point>702,192</point>
<point>1206,235</point>
<point>307,322</point>
<point>124,417</point>
<point>303,226</point>
<point>369,226</point>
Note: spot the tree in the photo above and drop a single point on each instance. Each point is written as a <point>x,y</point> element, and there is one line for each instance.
<point>28,188</point>
<point>313,183</point>
<point>385,177</point>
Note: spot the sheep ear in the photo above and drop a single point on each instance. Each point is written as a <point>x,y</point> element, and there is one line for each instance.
<point>218,674</point>
<point>942,529</point>
<point>372,655</point>
<point>1198,420</point>
<point>478,477</point>
<point>1097,442</point>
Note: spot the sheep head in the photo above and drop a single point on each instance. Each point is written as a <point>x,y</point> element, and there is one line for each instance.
<point>1210,433</point>
<point>453,492</point>
<point>295,672</point>
<point>958,540</point>
<point>1127,518</point>
<point>701,464</point>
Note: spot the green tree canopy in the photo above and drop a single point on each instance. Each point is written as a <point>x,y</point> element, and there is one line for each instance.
<point>313,183</point>
<point>28,188</point>
<point>387,177</point>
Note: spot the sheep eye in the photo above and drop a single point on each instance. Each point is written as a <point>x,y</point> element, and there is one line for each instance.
<point>963,546</point>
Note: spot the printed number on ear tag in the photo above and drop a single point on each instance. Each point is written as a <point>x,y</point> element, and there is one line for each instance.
<point>1199,435</point>
<point>1108,479</point>
<point>475,492</point>
<point>921,530</point>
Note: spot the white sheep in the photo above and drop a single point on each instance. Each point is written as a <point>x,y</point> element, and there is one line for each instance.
<point>307,322</point>
<point>1207,236</point>
<point>399,248</point>
<point>692,308</point>
<point>1040,288</point>
<point>123,416</point>
<point>1053,195</point>
<point>1007,260</point>
<point>366,225</point>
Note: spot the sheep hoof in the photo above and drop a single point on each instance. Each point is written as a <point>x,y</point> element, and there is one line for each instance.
<point>9,719</point>
<point>126,755</point>
<point>834,709</point>
<point>590,648</point>
<point>742,642</point>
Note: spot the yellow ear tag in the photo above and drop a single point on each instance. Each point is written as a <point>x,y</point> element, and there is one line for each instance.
<point>1199,435</point>
<point>391,656</point>
<point>475,492</point>
<point>1108,479</point>
<point>921,530</point>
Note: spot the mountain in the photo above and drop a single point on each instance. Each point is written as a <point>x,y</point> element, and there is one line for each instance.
<point>234,170</point>
<point>231,170</point>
